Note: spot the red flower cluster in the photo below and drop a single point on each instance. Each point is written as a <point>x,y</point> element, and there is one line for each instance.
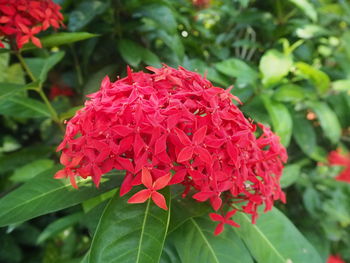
<point>175,127</point>
<point>335,259</point>
<point>201,3</point>
<point>336,158</point>
<point>23,19</point>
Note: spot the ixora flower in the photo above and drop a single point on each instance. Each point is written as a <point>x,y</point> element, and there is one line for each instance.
<point>337,158</point>
<point>21,20</point>
<point>174,127</point>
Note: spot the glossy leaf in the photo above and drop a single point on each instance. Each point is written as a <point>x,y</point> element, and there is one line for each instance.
<point>275,239</point>
<point>281,119</point>
<point>328,120</point>
<point>195,242</point>
<point>274,66</point>
<point>44,194</point>
<point>289,93</point>
<point>130,232</point>
<point>9,89</point>
<point>30,170</point>
<point>23,107</point>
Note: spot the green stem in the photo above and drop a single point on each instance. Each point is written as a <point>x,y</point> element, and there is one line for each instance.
<point>39,90</point>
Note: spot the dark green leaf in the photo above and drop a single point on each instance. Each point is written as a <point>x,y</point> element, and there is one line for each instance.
<point>44,194</point>
<point>289,93</point>
<point>328,120</point>
<point>275,239</point>
<point>8,89</point>
<point>281,119</point>
<point>130,232</point>
<point>291,173</point>
<point>30,170</point>
<point>85,12</point>
<point>58,226</point>
<point>195,242</point>
<point>22,107</point>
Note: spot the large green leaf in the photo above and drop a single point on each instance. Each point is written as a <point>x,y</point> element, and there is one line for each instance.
<point>44,194</point>
<point>289,93</point>
<point>328,120</point>
<point>275,239</point>
<point>61,38</point>
<point>30,170</point>
<point>236,68</point>
<point>9,89</point>
<point>195,242</point>
<point>317,77</point>
<point>130,232</point>
<point>22,107</point>
<point>274,66</point>
<point>291,173</point>
<point>281,119</point>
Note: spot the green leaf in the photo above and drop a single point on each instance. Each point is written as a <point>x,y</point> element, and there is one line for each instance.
<point>317,77</point>
<point>274,66</point>
<point>58,226</point>
<point>44,194</point>
<point>134,53</point>
<point>85,13</point>
<point>130,232</point>
<point>9,89</point>
<point>341,85</point>
<point>62,38</point>
<point>275,239</point>
<point>328,120</point>
<point>41,66</point>
<point>236,68</point>
<point>30,170</point>
<point>305,136</point>
<point>289,93</point>
<point>22,107</point>
<point>281,119</point>
<point>195,242</point>
<point>291,173</point>
<point>307,8</point>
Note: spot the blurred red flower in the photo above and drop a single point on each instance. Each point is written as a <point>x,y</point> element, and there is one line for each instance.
<point>335,259</point>
<point>21,20</point>
<point>336,158</point>
<point>60,90</point>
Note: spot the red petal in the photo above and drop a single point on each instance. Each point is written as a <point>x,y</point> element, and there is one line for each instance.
<point>178,177</point>
<point>230,213</point>
<point>216,202</point>
<point>36,42</point>
<point>60,174</point>
<point>232,223</point>
<point>161,182</point>
<point>126,185</point>
<point>182,136</point>
<point>159,200</point>
<point>122,130</point>
<point>146,178</point>
<point>185,154</point>
<point>204,155</point>
<point>203,196</point>
<point>199,135</point>
<point>160,145</point>
<point>216,217</point>
<point>219,228</point>
<point>140,197</point>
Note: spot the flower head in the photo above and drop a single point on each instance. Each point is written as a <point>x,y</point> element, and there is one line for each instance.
<point>335,259</point>
<point>21,20</point>
<point>173,126</point>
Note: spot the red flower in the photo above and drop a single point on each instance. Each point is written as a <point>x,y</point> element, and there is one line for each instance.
<point>21,20</point>
<point>335,259</point>
<point>60,90</point>
<point>223,220</point>
<point>336,158</point>
<point>184,130</point>
<point>151,191</point>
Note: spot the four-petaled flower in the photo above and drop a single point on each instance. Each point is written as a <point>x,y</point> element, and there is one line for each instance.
<point>223,220</point>
<point>336,158</point>
<point>151,191</point>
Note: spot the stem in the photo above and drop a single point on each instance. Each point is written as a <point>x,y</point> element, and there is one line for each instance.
<point>39,89</point>
<point>77,67</point>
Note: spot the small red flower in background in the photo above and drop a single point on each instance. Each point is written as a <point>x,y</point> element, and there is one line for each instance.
<point>201,3</point>
<point>21,20</point>
<point>60,90</point>
<point>335,259</point>
<point>336,158</point>
<point>174,127</point>
<point>223,220</point>
<point>151,191</point>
